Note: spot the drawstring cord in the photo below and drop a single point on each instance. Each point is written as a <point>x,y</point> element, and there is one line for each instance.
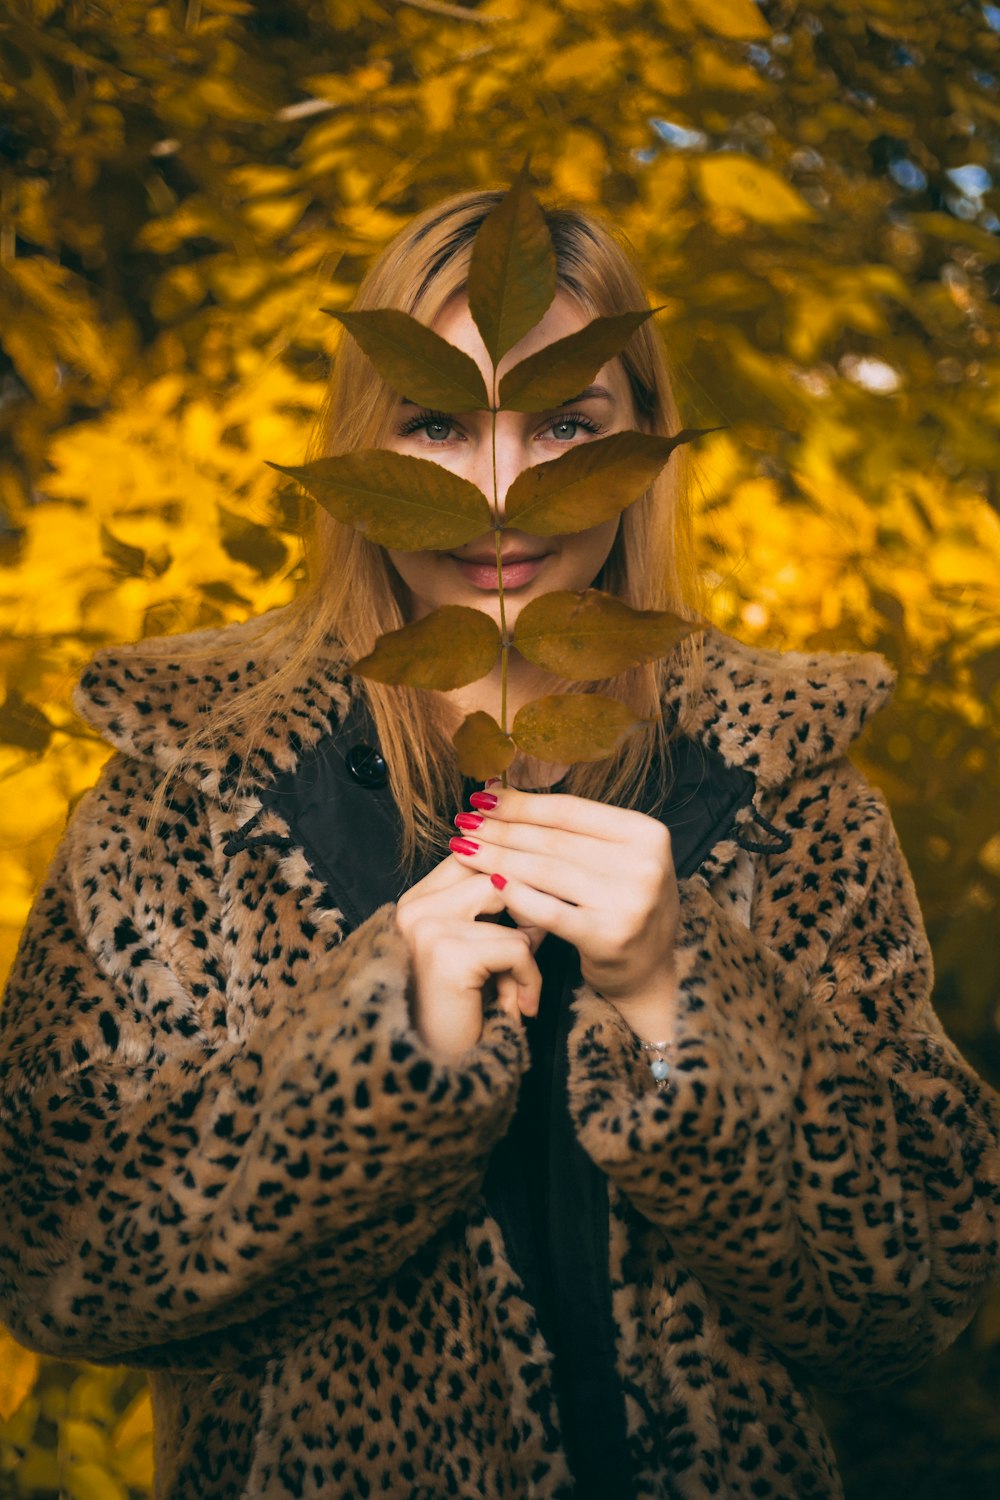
<point>244,838</point>
<point>781,842</point>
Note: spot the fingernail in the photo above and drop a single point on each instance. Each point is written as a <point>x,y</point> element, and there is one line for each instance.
<point>467,820</point>
<point>462,846</point>
<point>486,800</point>
<point>498,881</point>
<point>493,781</point>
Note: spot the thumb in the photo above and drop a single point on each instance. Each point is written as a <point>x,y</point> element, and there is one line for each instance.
<point>534,934</point>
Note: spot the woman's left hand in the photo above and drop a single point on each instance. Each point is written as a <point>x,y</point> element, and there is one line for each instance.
<point>599,876</point>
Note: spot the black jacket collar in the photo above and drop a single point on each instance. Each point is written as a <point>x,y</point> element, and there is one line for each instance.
<point>338,806</point>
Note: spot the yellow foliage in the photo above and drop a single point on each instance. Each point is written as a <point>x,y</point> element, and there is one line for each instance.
<point>732,181</point>
<point>713,70</point>
<point>580,166</point>
<point>590,62</point>
<point>18,1371</point>
<point>739,19</point>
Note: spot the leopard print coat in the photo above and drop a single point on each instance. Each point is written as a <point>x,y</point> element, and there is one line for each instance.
<point>228,1158</point>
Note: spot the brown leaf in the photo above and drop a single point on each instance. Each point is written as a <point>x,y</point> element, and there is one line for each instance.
<point>483,748</point>
<point>248,542</point>
<point>24,724</point>
<point>567,727</point>
<point>446,649</point>
<point>403,502</point>
<point>589,634</point>
<point>554,375</point>
<point>415,361</point>
<point>128,559</point>
<point>589,484</point>
<point>135,561</point>
<point>512,274</point>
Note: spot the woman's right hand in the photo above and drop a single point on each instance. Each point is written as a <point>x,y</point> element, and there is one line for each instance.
<point>454,956</point>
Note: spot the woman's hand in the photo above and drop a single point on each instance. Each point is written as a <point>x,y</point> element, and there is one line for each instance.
<point>454,956</point>
<point>602,877</point>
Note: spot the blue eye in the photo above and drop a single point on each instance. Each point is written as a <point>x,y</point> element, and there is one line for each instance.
<point>426,421</point>
<point>438,427</point>
<point>574,419</point>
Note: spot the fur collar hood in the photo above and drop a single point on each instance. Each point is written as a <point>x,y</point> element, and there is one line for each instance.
<point>773,713</point>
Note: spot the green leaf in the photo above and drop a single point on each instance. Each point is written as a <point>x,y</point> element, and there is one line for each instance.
<point>403,502</point>
<point>555,374</point>
<point>483,748</point>
<point>446,649</point>
<point>23,724</point>
<point>589,484</point>
<point>567,727</point>
<point>512,273</point>
<point>415,361</point>
<point>589,634</point>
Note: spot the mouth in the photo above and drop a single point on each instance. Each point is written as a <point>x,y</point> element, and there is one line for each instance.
<point>482,574</point>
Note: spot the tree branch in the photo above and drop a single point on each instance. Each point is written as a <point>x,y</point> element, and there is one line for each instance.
<point>453,12</point>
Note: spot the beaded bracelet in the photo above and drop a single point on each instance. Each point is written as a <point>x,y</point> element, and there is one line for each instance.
<point>659,1067</point>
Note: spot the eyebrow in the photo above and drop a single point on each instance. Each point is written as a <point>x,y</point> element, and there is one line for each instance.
<point>592,393</point>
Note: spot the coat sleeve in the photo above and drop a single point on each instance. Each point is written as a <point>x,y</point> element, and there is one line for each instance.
<point>823,1158</point>
<point>167,1172</point>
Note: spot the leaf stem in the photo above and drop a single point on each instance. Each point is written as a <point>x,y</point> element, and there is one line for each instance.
<point>504,647</point>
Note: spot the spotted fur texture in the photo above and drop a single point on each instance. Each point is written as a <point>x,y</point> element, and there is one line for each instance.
<point>228,1158</point>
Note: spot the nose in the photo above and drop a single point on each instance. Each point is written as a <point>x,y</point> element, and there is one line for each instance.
<point>511,460</point>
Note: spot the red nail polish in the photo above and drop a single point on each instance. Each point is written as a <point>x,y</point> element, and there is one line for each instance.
<point>485,800</point>
<point>468,820</point>
<point>462,846</point>
<point>498,881</point>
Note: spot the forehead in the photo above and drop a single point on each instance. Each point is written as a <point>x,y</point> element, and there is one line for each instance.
<point>564,316</point>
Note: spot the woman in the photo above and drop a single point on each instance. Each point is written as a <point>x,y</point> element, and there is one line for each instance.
<point>401,1180</point>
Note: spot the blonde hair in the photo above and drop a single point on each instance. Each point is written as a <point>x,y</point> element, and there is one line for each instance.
<point>353,595</point>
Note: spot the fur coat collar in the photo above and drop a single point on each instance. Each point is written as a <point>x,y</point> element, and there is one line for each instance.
<point>773,713</point>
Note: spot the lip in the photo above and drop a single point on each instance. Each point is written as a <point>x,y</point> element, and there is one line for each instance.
<point>508,559</point>
<point>484,575</point>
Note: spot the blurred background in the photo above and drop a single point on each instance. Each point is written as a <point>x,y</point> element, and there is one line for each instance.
<point>810,189</point>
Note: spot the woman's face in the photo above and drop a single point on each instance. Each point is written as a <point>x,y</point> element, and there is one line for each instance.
<point>464,445</point>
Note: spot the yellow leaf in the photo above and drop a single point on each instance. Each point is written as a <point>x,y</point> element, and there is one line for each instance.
<point>91,1481</point>
<point>437,99</point>
<point>132,1443</point>
<point>579,169</point>
<point>275,216</point>
<point>715,72</point>
<point>18,1372</point>
<point>589,63</point>
<point>736,182</point>
<point>665,73</point>
<point>253,181</point>
<point>82,1442</point>
<point>739,19</point>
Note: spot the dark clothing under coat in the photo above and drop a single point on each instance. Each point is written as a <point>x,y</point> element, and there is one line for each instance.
<point>549,1199</point>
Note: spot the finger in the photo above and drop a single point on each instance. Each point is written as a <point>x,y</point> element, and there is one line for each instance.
<point>566,880</point>
<point>570,847</point>
<point>535,910</point>
<point>599,820</point>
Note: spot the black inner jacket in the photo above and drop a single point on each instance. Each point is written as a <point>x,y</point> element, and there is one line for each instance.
<point>546,1194</point>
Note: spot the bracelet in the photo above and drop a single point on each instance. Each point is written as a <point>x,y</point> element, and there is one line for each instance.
<point>659,1067</point>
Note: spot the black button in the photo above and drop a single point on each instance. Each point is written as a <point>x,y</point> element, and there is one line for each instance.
<point>367,766</point>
